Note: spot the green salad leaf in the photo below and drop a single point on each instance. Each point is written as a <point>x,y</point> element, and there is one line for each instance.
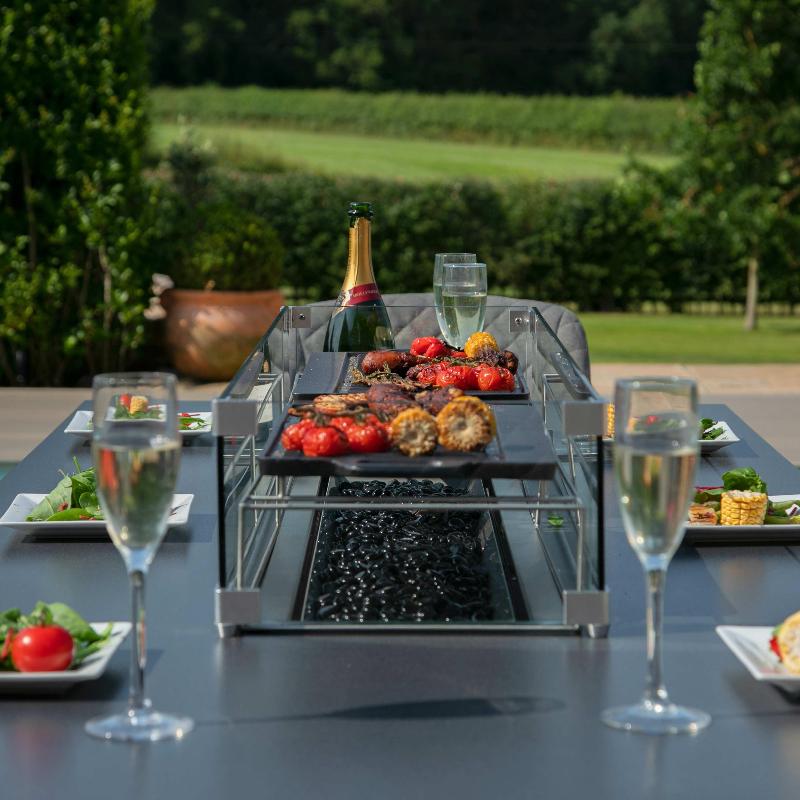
<point>744,479</point>
<point>73,498</point>
<point>58,499</point>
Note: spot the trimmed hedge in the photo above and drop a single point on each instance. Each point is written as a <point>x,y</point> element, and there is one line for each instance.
<point>613,122</point>
<point>596,246</point>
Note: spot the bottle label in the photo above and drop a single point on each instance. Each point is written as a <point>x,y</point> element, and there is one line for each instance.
<point>362,293</point>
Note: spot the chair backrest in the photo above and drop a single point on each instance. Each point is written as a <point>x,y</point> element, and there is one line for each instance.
<point>564,323</point>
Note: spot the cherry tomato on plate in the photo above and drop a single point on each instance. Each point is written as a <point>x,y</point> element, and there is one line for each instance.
<point>292,437</point>
<point>342,423</point>
<point>460,376</point>
<point>436,349</point>
<point>324,440</point>
<point>494,379</point>
<point>42,648</point>
<point>421,344</point>
<point>125,400</point>
<point>368,438</point>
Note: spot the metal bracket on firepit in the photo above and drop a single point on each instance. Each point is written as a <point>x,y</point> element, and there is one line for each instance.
<point>234,607</point>
<point>300,317</point>
<point>235,417</point>
<point>585,608</point>
<point>519,320</point>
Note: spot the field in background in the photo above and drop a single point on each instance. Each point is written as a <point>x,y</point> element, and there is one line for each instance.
<point>681,338</point>
<point>613,123</point>
<point>268,149</point>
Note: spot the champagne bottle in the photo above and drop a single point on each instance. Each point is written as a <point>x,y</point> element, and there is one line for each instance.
<point>360,321</point>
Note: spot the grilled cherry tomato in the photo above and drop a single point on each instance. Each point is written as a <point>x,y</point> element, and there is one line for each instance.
<point>367,438</point>
<point>426,375</point>
<point>420,345</point>
<point>458,354</point>
<point>342,423</point>
<point>125,400</point>
<point>494,379</point>
<point>42,648</point>
<point>324,440</point>
<point>436,349</point>
<point>292,437</point>
<point>457,375</point>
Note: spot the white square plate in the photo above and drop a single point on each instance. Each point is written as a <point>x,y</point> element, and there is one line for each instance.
<point>727,437</point>
<point>91,669</point>
<point>23,504</point>
<point>709,445</point>
<point>79,424</point>
<point>750,644</point>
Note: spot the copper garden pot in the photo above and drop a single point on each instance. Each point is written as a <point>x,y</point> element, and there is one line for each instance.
<point>209,333</point>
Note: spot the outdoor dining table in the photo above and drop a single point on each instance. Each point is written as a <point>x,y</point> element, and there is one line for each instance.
<point>400,715</point>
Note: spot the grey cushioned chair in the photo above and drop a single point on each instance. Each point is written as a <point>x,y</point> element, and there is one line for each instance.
<point>563,322</point>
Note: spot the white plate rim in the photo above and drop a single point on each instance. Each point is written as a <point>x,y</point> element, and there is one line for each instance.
<point>91,669</point>
<point>77,426</point>
<point>727,437</point>
<point>182,504</point>
<point>740,639</point>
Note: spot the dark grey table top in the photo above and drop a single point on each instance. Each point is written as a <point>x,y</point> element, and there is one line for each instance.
<point>402,716</point>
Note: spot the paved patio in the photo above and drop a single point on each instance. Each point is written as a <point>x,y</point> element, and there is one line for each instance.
<point>767,396</point>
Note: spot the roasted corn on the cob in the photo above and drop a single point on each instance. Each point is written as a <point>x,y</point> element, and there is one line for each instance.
<point>610,419</point>
<point>788,637</point>
<point>483,346</point>
<point>743,508</point>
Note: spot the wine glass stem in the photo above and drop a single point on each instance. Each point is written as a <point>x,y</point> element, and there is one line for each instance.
<point>139,650</point>
<point>655,692</point>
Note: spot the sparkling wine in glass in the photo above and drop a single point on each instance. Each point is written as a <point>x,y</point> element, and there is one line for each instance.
<point>438,273</point>
<point>136,462</point>
<point>655,455</point>
<point>463,302</point>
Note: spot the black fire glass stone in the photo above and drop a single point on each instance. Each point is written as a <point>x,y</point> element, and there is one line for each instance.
<point>405,566</point>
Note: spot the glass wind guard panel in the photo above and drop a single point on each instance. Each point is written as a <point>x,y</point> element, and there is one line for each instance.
<point>477,554</point>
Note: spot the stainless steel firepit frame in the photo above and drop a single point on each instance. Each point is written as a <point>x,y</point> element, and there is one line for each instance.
<point>253,507</point>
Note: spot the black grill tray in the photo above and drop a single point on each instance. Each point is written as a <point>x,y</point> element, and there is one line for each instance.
<point>521,449</point>
<point>329,373</point>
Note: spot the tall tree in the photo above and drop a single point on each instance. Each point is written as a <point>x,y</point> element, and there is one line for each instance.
<point>744,146</point>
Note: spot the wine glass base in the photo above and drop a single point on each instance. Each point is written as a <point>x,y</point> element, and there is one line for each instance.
<point>140,726</point>
<point>656,719</point>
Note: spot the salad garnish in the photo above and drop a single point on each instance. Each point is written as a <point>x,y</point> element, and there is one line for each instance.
<point>73,498</point>
<point>51,638</point>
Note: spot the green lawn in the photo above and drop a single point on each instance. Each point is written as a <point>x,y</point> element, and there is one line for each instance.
<point>690,339</point>
<point>371,156</point>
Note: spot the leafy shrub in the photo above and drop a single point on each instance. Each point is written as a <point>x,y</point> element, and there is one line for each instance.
<point>233,250</point>
<point>213,243</point>
<point>597,246</point>
<point>75,216</point>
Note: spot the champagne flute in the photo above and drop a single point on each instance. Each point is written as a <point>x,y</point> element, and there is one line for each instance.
<point>440,259</point>
<point>655,455</point>
<point>136,455</point>
<point>463,302</point>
